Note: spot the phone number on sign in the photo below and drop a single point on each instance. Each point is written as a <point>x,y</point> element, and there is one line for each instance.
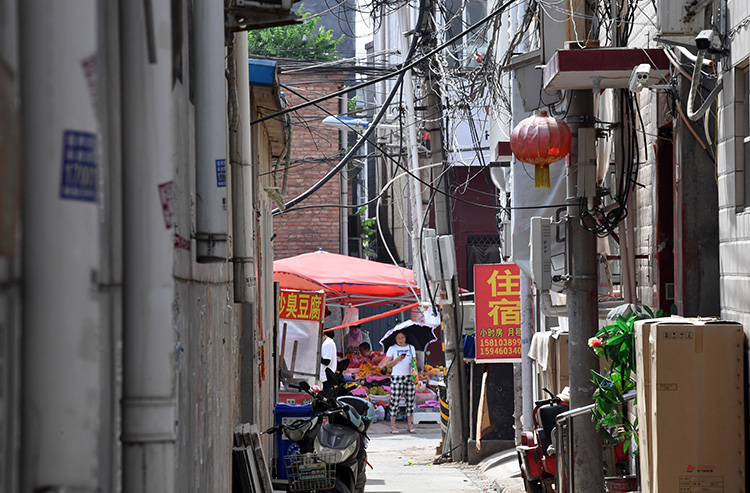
<point>499,351</point>
<point>499,342</point>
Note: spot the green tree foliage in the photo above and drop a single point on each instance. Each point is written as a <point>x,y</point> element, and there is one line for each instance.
<point>303,41</point>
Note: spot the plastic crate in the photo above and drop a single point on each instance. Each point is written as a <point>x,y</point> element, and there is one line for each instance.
<point>310,472</point>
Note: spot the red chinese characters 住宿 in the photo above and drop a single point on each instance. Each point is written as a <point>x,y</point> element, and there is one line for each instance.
<point>497,299</point>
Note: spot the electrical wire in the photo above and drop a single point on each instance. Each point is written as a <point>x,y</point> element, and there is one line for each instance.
<point>399,72</point>
<point>345,160</point>
<point>380,113</point>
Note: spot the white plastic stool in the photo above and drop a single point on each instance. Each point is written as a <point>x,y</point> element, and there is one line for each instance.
<point>426,417</point>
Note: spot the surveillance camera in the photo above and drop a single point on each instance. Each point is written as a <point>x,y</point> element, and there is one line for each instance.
<point>704,39</point>
<point>639,77</point>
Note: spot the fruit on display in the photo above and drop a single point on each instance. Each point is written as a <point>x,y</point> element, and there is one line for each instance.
<point>368,369</point>
<point>376,390</point>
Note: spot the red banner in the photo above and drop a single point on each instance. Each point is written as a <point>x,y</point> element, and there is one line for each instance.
<point>497,301</point>
<point>301,305</point>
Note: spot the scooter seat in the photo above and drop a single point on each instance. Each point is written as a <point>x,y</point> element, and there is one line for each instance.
<point>363,407</point>
<point>547,415</point>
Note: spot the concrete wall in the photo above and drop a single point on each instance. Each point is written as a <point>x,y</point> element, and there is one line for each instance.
<point>205,325</point>
<point>696,262</point>
<point>10,259</point>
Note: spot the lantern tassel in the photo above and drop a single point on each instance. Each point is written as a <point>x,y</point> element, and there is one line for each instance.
<point>541,176</point>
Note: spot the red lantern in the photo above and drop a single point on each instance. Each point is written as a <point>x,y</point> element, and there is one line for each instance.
<point>540,140</point>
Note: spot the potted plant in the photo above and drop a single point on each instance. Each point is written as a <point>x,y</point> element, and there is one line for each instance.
<point>615,345</point>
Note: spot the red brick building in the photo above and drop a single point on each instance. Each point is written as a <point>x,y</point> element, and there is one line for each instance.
<point>315,149</point>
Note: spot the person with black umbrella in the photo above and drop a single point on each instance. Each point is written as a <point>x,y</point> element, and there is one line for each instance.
<point>400,357</point>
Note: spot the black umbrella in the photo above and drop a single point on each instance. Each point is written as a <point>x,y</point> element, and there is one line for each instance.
<point>417,334</point>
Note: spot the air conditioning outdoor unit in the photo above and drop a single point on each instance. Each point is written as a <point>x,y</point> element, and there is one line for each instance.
<point>677,17</point>
<point>265,4</point>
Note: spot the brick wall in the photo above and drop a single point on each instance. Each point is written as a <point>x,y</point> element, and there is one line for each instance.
<point>315,150</point>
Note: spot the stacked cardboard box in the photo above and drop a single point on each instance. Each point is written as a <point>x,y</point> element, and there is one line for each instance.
<point>691,405</point>
<point>643,391</point>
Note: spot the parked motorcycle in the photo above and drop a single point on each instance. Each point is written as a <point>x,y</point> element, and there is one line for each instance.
<point>332,442</point>
<point>536,454</point>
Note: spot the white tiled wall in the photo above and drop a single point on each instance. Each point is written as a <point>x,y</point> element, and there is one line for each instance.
<point>734,224</point>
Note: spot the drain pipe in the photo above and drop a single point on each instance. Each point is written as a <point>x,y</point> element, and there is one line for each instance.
<point>695,114</point>
<point>148,147</point>
<point>240,155</point>
<point>210,132</point>
<point>527,370</point>
<point>63,366</point>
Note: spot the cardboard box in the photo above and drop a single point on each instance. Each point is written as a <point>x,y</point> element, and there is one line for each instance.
<point>697,430</point>
<point>643,399</point>
<point>562,369</point>
<point>550,351</point>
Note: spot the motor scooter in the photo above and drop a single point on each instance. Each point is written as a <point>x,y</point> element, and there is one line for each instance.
<point>332,442</point>
<point>536,454</point>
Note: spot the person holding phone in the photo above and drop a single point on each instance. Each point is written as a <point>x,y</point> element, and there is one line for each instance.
<point>399,358</point>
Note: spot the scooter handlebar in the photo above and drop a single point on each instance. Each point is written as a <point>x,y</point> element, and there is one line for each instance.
<point>281,426</point>
<point>544,402</point>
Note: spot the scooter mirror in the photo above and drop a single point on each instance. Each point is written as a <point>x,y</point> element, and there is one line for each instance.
<point>342,365</point>
<point>303,385</point>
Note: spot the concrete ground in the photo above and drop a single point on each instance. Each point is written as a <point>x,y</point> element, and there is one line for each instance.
<point>408,463</point>
<point>503,472</point>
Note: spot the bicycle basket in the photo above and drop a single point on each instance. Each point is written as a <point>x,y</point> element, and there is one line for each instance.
<point>310,472</point>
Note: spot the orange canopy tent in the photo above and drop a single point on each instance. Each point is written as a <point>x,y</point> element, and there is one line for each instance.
<point>347,280</point>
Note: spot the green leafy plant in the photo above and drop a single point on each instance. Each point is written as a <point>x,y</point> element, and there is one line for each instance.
<point>615,344</point>
<point>367,233</point>
<point>299,41</point>
<point>351,105</point>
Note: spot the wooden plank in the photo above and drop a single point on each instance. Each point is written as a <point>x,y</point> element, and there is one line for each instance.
<point>241,476</point>
<point>260,461</point>
<point>250,460</point>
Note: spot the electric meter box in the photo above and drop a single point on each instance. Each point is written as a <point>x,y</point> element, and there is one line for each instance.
<point>540,248</point>
<point>440,257</point>
<point>695,426</point>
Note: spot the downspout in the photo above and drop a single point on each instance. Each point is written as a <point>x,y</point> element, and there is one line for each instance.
<point>148,147</point>
<point>62,363</point>
<point>241,159</point>
<point>210,132</point>
<point>527,372</point>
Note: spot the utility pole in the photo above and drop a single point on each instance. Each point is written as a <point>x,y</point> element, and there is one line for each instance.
<point>582,304</point>
<point>458,424</point>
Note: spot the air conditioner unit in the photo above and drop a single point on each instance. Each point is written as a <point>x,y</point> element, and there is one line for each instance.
<point>244,15</point>
<point>677,17</point>
<point>265,4</point>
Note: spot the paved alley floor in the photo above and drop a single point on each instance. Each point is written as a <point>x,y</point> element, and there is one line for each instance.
<point>403,463</point>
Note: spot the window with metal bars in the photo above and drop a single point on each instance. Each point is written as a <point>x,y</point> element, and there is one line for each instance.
<point>481,249</point>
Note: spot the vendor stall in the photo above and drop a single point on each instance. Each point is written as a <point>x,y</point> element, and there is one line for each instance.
<point>301,315</point>
<point>350,281</point>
